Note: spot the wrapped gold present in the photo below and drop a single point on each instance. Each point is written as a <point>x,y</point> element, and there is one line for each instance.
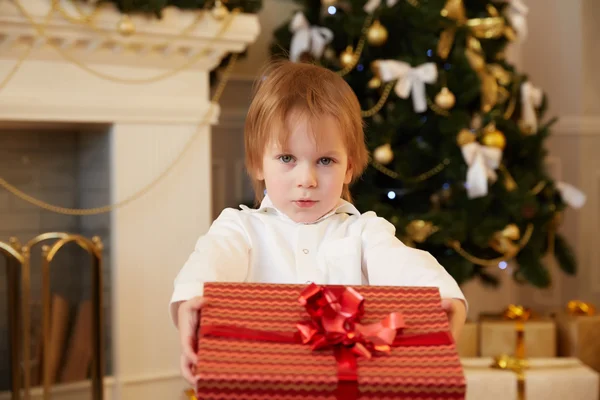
<point>578,327</point>
<point>518,332</point>
<point>468,342</point>
<point>507,378</point>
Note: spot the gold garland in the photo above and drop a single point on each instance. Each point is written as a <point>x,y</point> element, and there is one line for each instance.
<point>167,74</point>
<point>384,96</point>
<point>510,109</point>
<point>359,48</point>
<point>25,54</point>
<point>419,178</point>
<point>456,246</point>
<point>104,209</point>
<point>83,19</point>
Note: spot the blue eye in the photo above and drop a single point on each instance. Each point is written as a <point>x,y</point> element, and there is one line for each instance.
<point>325,161</point>
<point>286,159</point>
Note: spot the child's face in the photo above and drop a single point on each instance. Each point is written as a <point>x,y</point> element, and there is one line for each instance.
<point>303,181</point>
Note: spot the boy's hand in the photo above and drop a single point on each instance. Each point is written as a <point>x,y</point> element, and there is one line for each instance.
<point>457,315</point>
<point>188,321</point>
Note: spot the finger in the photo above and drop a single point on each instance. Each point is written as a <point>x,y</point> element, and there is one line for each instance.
<point>186,370</point>
<point>448,305</point>
<point>187,337</point>
<point>188,350</point>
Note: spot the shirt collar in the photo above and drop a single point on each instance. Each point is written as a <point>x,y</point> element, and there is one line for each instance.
<point>342,207</point>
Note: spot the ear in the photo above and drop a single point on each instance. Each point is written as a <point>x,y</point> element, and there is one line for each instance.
<point>258,175</point>
<point>348,177</point>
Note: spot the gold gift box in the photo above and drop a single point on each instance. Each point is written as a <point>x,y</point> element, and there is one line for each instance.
<point>578,329</point>
<point>468,342</point>
<point>517,332</point>
<point>543,379</point>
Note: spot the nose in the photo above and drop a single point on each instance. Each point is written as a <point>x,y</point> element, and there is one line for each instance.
<point>307,176</point>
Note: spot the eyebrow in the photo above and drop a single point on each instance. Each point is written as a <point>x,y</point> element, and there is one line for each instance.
<point>332,153</point>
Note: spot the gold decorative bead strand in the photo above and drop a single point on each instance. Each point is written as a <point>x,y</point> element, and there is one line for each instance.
<point>83,19</point>
<point>384,96</point>
<point>493,262</point>
<point>16,67</point>
<point>25,54</point>
<point>510,109</point>
<point>538,188</point>
<point>434,171</point>
<point>104,209</point>
<point>359,48</point>
<point>419,178</point>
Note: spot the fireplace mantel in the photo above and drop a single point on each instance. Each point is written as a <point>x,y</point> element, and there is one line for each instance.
<point>150,124</point>
<point>54,84</point>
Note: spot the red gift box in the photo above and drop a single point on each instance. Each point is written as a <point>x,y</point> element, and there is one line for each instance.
<point>271,341</point>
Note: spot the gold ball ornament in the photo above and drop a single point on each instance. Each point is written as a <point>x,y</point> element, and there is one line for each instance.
<point>419,230</point>
<point>464,137</point>
<point>329,54</point>
<point>384,154</point>
<point>503,241</point>
<point>125,26</point>
<point>512,232</point>
<point>347,57</point>
<point>377,34</point>
<point>374,83</point>
<point>328,3</point>
<point>445,99</point>
<point>494,138</point>
<point>526,128</point>
<point>219,11</point>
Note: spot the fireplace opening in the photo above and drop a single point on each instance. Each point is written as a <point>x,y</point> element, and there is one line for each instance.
<point>66,165</point>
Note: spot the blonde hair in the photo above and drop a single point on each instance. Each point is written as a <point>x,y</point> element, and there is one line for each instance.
<point>312,92</point>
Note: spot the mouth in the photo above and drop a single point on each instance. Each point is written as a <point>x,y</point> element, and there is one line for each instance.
<point>305,203</point>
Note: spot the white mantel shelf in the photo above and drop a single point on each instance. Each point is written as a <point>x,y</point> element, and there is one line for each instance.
<point>48,82</point>
<point>150,124</point>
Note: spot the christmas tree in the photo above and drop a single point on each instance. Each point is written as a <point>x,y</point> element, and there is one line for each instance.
<point>456,134</point>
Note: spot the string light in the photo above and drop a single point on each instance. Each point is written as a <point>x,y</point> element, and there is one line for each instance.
<point>391,195</point>
<point>502,264</point>
<point>331,10</point>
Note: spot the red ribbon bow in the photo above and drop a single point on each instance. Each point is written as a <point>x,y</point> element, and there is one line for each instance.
<point>335,312</point>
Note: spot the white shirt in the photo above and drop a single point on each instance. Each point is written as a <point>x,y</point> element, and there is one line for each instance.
<point>343,247</point>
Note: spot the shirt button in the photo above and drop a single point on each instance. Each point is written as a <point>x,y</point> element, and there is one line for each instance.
<point>305,251</point>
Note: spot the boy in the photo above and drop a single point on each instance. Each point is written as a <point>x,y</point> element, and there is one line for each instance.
<point>304,146</point>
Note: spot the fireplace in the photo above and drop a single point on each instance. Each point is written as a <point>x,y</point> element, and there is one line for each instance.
<point>74,139</point>
<point>64,164</point>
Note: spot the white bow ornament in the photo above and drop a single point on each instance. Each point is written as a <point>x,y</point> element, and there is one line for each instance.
<point>307,38</point>
<point>516,13</point>
<point>483,162</point>
<point>571,195</point>
<point>410,80</point>
<point>373,5</point>
<point>531,99</point>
